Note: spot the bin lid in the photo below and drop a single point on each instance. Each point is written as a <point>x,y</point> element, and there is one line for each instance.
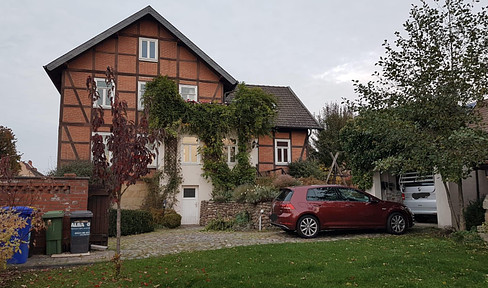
<point>22,210</point>
<point>81,214</point>
<point>53,214</point>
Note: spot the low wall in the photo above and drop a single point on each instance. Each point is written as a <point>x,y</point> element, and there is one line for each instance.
<point>210,210</point>
<point>46,194</point>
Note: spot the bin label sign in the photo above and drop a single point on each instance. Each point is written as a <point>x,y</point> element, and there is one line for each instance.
<point>80,228</point>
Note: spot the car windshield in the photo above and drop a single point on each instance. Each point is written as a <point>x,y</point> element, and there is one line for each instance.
<point>285,195</point>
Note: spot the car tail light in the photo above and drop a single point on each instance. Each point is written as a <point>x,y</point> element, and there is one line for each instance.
<point>287,207</point>
<point>403,196</point>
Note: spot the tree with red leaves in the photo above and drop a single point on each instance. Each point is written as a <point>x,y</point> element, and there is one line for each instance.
<point>127,144</point>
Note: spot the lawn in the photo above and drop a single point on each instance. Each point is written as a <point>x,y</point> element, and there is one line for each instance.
<point>412,260</point>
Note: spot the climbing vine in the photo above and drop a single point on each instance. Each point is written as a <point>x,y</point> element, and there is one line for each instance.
<point>251,114</point>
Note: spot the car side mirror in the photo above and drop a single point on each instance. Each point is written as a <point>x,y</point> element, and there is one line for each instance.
<point>373,201</point>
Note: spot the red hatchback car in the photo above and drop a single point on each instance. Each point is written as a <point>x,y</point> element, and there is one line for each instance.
<point>310,209</point>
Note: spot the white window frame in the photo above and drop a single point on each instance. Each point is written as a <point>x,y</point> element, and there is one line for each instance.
<point>148,49</point>
<point>190,149</point>
<point>154,148</point>
<point>280,151</point>
<point>108,154</point>
<point>140,93</point>
<point>192,97</point>
<point>103,93</point>
<point>228,145</point>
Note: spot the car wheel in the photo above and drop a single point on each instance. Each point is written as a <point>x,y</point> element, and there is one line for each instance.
<point>308,226</point>
<point>397,224</point>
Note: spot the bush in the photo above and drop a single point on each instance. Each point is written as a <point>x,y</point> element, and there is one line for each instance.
<point>474,214</point>
<point>254,194</point>
<point>157,217</point>
<point>131,222</point>
<point>304,169</point>
<point>283,181</point>
<point>171,219</point>
<point>240,193</point>
<point>311,181</point>
<point>220,224</point>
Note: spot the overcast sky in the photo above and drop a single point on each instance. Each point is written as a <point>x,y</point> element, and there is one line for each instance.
<point>317,47</point>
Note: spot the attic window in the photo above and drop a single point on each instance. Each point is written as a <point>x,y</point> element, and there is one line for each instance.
<point>148,49</point>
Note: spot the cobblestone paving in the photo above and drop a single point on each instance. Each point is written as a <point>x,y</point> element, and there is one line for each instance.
<point>194,238</point>
<point>188,238</point>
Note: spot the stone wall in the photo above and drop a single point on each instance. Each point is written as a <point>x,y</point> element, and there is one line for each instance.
<point>210,210</point>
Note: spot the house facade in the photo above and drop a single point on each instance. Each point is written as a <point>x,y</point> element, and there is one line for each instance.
<point>140,48</point>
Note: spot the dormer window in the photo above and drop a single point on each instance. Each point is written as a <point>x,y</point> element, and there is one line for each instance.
<point>148,49</point>
<point>189,92</point>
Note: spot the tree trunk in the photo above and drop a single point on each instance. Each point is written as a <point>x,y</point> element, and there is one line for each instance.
<point>116,259</point>
<point>118,227</point>
<point>451,206</point>
<point>462,221</point>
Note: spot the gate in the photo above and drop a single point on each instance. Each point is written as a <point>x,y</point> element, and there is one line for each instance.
<point>99,204</point>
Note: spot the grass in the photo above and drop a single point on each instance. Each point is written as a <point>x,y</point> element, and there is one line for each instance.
<point>412,260</point>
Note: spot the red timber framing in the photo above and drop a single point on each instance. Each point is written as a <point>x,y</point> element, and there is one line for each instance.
<point>266,153</point>
<point>121,51</point>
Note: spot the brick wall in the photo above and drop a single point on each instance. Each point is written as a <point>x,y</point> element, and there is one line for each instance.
<point>210,210</point>
<point>46,194</point>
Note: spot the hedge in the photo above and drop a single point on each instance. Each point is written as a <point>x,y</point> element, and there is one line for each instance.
<point>132,222</point>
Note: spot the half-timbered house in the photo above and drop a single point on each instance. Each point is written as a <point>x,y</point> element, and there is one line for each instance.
<point>139,48</point>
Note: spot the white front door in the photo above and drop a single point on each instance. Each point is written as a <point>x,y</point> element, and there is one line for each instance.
<point>189,205</point>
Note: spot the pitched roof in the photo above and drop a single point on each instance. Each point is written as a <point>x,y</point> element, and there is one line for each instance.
<point>53,69</point>
<point>291,111</point>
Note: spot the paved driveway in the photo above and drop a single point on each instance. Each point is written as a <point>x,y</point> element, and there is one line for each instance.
<point>188,238</point>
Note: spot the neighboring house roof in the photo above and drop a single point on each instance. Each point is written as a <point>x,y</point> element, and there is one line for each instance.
<point>291,111</point>
<point>54,68</point>
<point>27,170</point>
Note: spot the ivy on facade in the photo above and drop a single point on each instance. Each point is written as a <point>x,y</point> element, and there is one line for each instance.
<point>250,114</point>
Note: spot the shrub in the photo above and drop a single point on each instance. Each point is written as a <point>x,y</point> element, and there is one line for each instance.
<point>157,217</point>
<point>242,220</point>
<point>304,169</point>
<point>241,192</point>
<point>262,194</point>
<point>474,214</point>
<point>254,194</point>
<point>285,180</point>
<point>311,181</point>
<point>171,219</point>
<point>220,224</point>
<point>131,222</point>
<point>10,225</point>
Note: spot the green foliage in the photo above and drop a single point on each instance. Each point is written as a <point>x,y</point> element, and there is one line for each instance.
<point>305,168</point>
<point>254,194</point>
<point>285,180</point>
<point>82,168</point>
<point>474,214</point>
<point>154,198</point>
<point>333,117</point>
<point>162,98</point>
<point>131,222</point>
<point>251,114</point>
<point>8,148</point>
<point>415,115</point>
<point>171,220</point>
<point>410,260</point>
<point>242,219</point>
<point>220,224</point>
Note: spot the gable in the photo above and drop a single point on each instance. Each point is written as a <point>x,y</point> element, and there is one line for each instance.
<point>149,20</point>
